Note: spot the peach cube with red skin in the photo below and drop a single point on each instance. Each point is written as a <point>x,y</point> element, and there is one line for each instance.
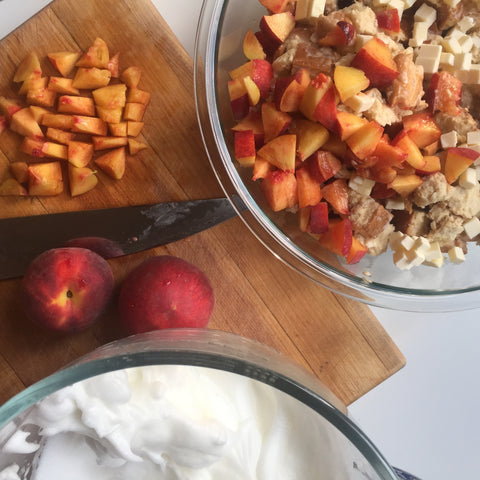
<point>244,145</point>
<point>339,237</point>
<point>404,185</point>
<point>136,95</point>
<point>134,111</point>
<point>253,121</point>
<point>134,128</point>
<point>324,165</point>
<point>444,93</point>
<point>280,190</point>
<point>319,221</point>
<point>111,96</point>
<point>363,141</point>
<point>118,129</point>
<point>274,122</point>
<point>57,120</point>
<point>60,136</point>
<point>64,62</point>
<point>8,107</point>
<point>357,252</point>
<point>45,179</point>
<point>24,123</point>
<point>414,155</point>
<point>289,91</point>
<point>421,128</point>
<point>458,159</point>
<point>336,194</point>
<point>389,20</point>
<point>252,48</point>
<point>275,29</point>
<point>342,34</point>
<point>110,115</point>
<point>309,191</point>
<point>134,146</point>
<point>310,137</point>
<point>276,6</point>
<point>113,65</point>
<point>376,60</point>
<point>20,171</point>
<point>260,168</point>
<point>39,149</point>
<point>260,71</point>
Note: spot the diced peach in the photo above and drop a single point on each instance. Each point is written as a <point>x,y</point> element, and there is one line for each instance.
<point>113,163</point>
<point>20,171</point>
<point>274,122</point>
<point>253,121</point>
<point>319,102</point>
<point>414,155</point>
<point>134,128</point>
<point>444,93</point>
<point>349,123</point>
<point>239,101</point>
<point>38,113</point>
<point>342,34</point>
<point>45,179</point>
<point>39,148</point>
<point>338,238</point>
<point>97,55</point>
<point>280,190</point>
<point>260,71</point>
<point>8,107</point>
<point>309,191</point>
<point>110,115</point>
<point>64,62</point>
<point>261,167</point>
<point>136,95</point>
<point>34,81</point>
<point>304,219</point>
<point>276,6</point>
<point>134,111</point>
<point>404,185</point>
<point>310,137</point>
<point>458,159</point>
<point>276,28</point>
<point>73,104</point>
<point>319,222</point>
<point>24,123</point>
<point>432,165</point>
<point>363,141</point>
<point>111,96</point>
<point>90,125</point>
<point>62,85</point>
<point>324,165</point>
<point>104,143</point>
<point>349,81</point>
<point>113,65</point>
<point>81,179</point>
<point>389,20</point>
<point>376,60</point>
<point>289,91</point>
<point>244,145</point>
<point>59,136</point>
<point>43,96</point>
<point>280,152</point>
<point>252,89</point>
<point>421,128</point>
<point>357,252</point>
<point>118,129</point>
<point>336,194</point>
<point>252,48</point>
<point>12,187</point>
<point>57,120</point>
<point>91,78</point>
<point>134,146</point>
<point>29,64</point>
<point>80,153</point>
<point>131,76</point>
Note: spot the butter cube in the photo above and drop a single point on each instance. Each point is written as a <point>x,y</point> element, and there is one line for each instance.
<point>463,61</point>
<point>468,179</point>
<point>419,35</point>
<point>473,138</point>
<point>395,239</point>
<point>429,57</point>
<point>425,14</point>
<point>452,3</point>
<point>360,102</point>
<point>472,227</point>
<point>466,43</point>
<point>361,185</point>
<point>308,9</point>
<point>407,242</point>
<point>447,59</point>
<point>421,245</point>
<point>456,255</point>
<point>401,261</point>
<point>449,139</point>
<point>395,204</point>
<point>451,45</point>
<point>466,23</point>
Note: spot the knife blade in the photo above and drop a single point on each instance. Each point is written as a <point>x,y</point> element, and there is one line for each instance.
<point>123,230</point>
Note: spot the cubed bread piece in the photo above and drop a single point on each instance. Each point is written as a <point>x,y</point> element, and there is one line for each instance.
<point>434,189</point>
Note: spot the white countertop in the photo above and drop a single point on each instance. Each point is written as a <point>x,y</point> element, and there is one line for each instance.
<point>424,418</point>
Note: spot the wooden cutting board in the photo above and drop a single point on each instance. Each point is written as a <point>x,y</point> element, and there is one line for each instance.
<point>338,339</point>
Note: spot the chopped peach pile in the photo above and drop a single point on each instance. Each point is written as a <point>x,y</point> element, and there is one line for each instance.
<point>84,117</point>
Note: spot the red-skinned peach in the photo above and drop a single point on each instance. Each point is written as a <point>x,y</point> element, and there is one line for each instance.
<point>67,289</point>
<point>165,292</point>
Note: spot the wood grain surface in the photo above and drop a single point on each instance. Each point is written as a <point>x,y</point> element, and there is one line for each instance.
<point>338,339</point>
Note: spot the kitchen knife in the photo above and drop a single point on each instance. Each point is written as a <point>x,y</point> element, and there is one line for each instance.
<point>122,230</point>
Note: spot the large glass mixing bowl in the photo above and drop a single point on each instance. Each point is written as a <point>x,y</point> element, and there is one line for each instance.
<point>374,280</point>
<point>344,446</point>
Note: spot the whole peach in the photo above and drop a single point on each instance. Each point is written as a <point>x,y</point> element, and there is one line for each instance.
<point>67,289</point>
<point>165,292</point>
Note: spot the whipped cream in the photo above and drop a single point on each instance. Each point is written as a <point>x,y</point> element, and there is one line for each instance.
<point>176,423</point>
